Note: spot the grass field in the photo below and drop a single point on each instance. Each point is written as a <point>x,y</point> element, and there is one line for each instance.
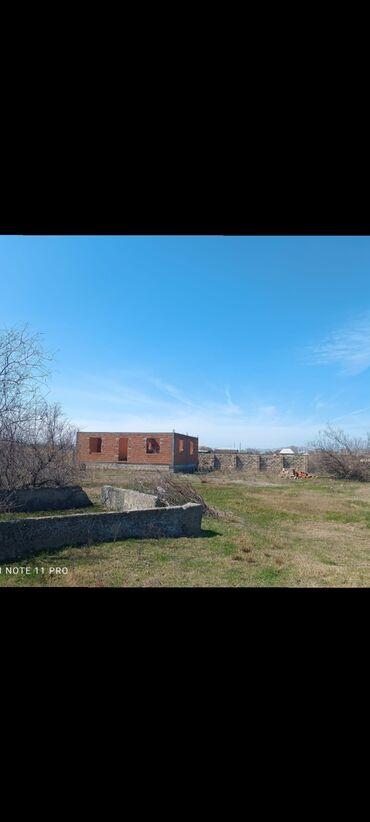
<point>313,533</point>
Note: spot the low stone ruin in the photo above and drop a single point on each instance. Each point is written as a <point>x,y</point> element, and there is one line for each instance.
<point>29,500</point>
<point>123,499</point>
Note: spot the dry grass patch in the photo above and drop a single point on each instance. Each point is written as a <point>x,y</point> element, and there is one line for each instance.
<point>327,555</point>
<point>287,535</point>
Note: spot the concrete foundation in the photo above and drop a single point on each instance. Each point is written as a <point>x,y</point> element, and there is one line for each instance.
<point>119,466</point>
<point>123,499</point>
<point>25,537</point>
<point>46,499</point>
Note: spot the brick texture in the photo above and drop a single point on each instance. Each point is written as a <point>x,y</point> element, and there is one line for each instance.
<point>184,457</point>
<point>169,453</point>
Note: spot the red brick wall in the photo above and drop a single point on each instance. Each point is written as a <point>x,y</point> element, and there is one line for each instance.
<point>109,448</point>
<point>185,458</point>
<point>136,453</point>
<point>137,450</point>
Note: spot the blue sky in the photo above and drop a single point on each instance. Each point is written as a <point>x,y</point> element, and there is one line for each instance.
<point>254,340</point>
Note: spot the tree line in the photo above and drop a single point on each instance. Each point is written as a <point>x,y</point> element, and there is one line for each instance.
<point>37,441</point>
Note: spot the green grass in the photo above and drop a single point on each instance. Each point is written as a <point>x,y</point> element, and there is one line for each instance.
<point>289,534</point>
<point>270,575</point>
<point>339,516</point>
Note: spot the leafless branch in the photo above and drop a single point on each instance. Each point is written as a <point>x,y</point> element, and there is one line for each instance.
<point>341,456</point>
<point>37,443</point>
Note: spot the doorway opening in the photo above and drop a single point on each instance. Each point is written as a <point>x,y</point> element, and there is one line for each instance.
<point>122,449</point>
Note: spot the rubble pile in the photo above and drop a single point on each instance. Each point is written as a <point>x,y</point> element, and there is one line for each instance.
<point>287,473</point>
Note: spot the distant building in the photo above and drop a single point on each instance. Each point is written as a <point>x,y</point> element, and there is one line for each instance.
<point>172,452</point>
<point>286,451</point>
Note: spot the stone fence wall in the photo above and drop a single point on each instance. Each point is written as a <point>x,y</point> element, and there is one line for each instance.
<point>252,463</point>
<point>224,460</point>
<point>25,537</point>
<point>206,461</point>
<point>248,462</point>
<point>44,499</point>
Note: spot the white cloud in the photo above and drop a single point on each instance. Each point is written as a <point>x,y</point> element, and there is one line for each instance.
<point>230,407</point>
<point>348,347</point>
<point>268,410</point>
<point>115,403</point>
<point>319,402</point>
<point>171,390</point>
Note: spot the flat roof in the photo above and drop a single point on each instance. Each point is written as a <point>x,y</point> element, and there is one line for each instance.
<point>139,433</point>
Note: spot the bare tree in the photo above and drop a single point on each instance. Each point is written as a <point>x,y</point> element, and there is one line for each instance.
<point>23,371</point>
<point>37,443</point>
<point>46,448</point>
<point>343,457</point>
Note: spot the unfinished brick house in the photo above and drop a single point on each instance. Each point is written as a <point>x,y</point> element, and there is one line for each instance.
<point>168,452</point>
